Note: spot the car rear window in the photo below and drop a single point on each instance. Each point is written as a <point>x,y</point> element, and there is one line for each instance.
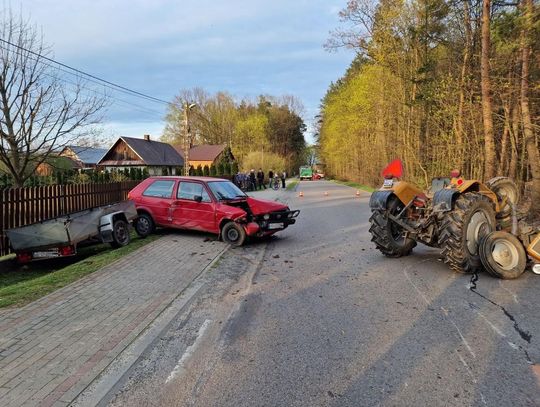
<point>189,190</point>
<point>160,189</point>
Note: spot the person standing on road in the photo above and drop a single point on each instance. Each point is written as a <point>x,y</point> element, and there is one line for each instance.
<point>260,179</point>
<point>252,180</point>
<point>270,178</point>
<point>283,177</point>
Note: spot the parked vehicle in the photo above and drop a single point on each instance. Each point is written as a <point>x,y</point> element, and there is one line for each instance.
<point>207,204</point>
<point>473,223</point>
<point>306,172</point>
<point>318,175</point>
<point>60,236</point>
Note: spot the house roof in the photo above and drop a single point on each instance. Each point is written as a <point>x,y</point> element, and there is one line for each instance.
<point>203,152</point>
<point>154,152</point>
<point>88,155</point>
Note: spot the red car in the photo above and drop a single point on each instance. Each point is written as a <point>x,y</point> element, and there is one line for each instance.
<point>207,204</point>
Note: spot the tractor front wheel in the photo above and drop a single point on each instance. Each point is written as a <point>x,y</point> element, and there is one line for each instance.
<point>462,230</point>
<point>387,235</point>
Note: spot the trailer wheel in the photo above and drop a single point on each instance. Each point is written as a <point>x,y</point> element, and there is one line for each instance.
<point>463,228</point>
<point>503,255</point>
<point>120,233</point>
<point>144,225</point>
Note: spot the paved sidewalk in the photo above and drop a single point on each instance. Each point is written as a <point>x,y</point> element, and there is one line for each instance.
<point>53,348</point>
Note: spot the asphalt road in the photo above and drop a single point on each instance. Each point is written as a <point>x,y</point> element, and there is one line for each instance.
<point>318,317</point>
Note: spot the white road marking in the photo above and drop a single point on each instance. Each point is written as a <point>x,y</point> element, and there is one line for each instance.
<point>514,296</point>
<point>445,312</point>
<point>189,351</point>
<point>497,330</point>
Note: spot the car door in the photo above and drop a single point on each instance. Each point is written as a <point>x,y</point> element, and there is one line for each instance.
<point>158,198</point>
<point>188,212</point>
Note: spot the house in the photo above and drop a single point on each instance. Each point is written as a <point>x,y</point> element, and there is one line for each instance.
<point>205,154</point>
<point>87,157</point>
<point>54,164</point>
<point>129,152</point>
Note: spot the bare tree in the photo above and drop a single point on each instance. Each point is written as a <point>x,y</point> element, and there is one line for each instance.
<point>40,111</point>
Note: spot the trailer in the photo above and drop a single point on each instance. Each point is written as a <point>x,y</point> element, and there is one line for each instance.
<point>59,237</point>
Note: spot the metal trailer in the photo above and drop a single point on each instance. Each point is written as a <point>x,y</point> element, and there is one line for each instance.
<point>60,236</point>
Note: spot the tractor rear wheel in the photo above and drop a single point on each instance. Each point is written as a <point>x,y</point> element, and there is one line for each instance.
<point>388,236</point>
<point>463,228</point>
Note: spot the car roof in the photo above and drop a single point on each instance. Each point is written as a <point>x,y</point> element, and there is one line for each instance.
<point>181,178</point>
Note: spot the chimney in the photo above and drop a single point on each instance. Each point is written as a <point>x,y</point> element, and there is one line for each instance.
<point>147,137</point>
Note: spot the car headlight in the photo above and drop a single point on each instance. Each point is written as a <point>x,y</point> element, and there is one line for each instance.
<point>266,217</point>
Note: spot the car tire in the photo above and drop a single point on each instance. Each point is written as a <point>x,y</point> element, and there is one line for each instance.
<point>120,234</point>
<point>233,233</point>
<point>144,225</point>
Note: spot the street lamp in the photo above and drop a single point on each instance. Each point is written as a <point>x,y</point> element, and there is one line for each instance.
<point>187,138</point>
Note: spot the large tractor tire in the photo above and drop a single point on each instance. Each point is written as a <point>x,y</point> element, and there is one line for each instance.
<point>462,229</point>
<point>503,255</point>
<point>388,236</point>
<point>507,194</point>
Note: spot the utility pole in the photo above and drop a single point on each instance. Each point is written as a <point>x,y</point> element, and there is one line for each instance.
<point>187,136</point>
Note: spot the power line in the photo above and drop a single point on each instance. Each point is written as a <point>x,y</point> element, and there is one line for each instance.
<point>103,81</point>
<point>121,101</point>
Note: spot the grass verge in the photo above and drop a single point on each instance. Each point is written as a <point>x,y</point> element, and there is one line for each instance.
<point>21,284</point>
<point>355,185</point>
<point>291,185</point>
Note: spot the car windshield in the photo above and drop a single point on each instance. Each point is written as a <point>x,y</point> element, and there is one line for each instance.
<point>224,190</point>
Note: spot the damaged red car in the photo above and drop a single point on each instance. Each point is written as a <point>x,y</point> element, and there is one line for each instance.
<point>207,204</point>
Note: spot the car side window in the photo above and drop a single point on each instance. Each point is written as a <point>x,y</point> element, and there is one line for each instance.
<point>189,190</point>
<point>160,189</point>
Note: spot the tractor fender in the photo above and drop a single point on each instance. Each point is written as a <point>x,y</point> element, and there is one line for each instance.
<point>379,200</point>
<point>443,200</point>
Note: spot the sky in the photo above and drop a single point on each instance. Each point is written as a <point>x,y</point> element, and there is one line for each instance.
<point>159,47</point>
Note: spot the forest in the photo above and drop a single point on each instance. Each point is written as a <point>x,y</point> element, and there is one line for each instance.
<point>265,133</point>
<point>439,84</point>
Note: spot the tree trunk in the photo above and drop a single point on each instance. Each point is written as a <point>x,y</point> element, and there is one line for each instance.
<point>533,154</point>
<point>487,116</point>
<point>460,133</point>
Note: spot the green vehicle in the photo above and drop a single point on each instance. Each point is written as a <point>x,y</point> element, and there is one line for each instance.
<point>306,172</point>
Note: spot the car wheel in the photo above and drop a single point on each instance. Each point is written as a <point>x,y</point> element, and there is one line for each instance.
<point>144,225</point>
<point>120,234</point>
<point>233,234</point>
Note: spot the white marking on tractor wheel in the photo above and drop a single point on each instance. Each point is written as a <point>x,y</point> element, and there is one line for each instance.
<point>189,351</point>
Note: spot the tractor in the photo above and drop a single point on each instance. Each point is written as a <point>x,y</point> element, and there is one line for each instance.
<point>473,223</point>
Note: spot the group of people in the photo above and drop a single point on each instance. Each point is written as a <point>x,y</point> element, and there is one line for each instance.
<point>253,181</point>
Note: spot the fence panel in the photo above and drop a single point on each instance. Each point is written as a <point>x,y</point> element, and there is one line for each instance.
<point>23,206</point>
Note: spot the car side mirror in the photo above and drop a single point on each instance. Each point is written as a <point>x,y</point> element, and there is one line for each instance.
<point>197,198</point>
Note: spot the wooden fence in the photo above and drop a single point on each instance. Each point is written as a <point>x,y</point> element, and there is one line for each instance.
<point>22,206</point>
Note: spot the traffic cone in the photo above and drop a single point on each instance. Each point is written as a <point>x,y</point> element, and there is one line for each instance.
<point>301,194</point>
<point>357,193</point>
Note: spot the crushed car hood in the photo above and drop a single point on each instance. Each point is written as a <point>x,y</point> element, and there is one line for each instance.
<point>260,206</point>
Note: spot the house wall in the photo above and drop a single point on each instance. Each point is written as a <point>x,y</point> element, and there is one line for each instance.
<point>121,152</point>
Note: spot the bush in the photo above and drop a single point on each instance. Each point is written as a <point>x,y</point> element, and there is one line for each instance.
<point>234,167</point>
<point>199,171</point>
<point>206,171</point>
<point>213,171</point>
<point>227,169</point>
<point>220,168</point>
